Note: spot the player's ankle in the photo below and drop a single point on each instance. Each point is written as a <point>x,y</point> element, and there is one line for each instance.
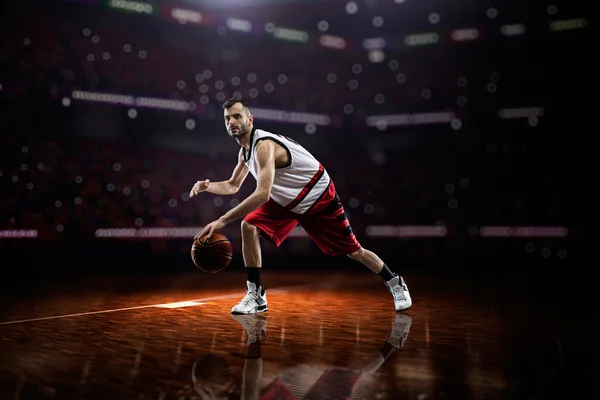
<point>386,273</point>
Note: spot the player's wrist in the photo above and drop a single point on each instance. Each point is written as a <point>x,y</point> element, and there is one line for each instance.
<point>225,220</point>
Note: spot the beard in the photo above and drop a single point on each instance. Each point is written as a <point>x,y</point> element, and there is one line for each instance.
<point>240,132</point>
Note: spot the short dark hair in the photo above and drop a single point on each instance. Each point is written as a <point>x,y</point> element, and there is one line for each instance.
<point>230,102</point>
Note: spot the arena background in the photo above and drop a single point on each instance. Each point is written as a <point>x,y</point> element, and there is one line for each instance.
<point>460,137</point>
<point>454,132</point>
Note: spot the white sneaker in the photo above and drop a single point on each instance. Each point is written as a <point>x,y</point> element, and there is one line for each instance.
<point>399,334</point>
<point>254,324</point>
<point>399,290</point>
<point>254,301</point>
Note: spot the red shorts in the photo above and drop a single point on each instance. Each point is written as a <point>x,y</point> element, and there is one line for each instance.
<point>334,384</point>
<point>326,224</point>
<point>278,391</point>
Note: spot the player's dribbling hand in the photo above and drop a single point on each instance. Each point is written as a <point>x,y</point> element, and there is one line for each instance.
<point>209,229</point>
<point>199,186</point>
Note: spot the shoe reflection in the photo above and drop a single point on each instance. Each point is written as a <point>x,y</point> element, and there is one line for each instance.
<point>214,378</point>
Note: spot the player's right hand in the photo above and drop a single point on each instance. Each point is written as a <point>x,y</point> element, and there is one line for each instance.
<point>199,187</point>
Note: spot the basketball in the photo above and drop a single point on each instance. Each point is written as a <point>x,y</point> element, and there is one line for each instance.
<point>212,255</point>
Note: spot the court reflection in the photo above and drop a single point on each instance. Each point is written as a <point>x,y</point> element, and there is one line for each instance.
<point>291,373</point>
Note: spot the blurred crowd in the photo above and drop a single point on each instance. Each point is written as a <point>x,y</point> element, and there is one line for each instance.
<point>55,183</point>
<point>75,48</point>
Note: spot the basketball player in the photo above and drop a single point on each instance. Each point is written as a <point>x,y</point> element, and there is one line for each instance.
<point>214,378</point>
<point>292,188</point>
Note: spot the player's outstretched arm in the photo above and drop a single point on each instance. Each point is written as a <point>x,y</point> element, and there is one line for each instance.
<point>230,186</point>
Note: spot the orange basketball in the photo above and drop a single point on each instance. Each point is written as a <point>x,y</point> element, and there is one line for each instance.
<point>212,255</point>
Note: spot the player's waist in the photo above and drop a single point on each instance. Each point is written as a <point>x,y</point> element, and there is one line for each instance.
<point>301,200</point>
<point>316,201</point>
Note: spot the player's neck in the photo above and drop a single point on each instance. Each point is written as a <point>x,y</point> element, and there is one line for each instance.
<point>243,142</point>
<point>246,140</point>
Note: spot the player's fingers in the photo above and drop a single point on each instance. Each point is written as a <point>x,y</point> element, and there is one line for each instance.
<point>203,231</point>
<point>194,190</point>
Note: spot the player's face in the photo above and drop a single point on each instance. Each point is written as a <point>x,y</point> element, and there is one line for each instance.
<point>237,121</point>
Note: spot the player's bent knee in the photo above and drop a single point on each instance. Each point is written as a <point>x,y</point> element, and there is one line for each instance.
<point>248,229</point>
<point>357,255</point>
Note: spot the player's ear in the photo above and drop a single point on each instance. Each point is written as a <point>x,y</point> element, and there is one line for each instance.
<point>250,118</point>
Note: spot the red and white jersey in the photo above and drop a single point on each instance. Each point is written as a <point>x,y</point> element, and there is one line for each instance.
<point>298,185</point>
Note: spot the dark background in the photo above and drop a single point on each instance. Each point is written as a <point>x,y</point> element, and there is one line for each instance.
<point>69,167</point>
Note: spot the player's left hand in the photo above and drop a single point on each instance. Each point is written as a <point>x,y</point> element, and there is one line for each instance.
<point>209,229</point>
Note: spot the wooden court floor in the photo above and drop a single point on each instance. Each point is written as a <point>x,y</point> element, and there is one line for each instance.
<point>326,335</point>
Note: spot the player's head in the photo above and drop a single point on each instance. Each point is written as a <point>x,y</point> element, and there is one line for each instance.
<point>238,119</point>
<point>213,377</point>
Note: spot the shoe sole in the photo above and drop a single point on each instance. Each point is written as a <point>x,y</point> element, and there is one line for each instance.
<point>404,309</point>
<point>259,310</point>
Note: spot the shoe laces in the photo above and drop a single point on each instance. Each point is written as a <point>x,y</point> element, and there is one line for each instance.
<point>250,297</point>
<point>398,292</point>
<point>397,337</point>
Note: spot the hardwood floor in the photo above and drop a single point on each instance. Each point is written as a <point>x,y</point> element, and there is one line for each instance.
<point>326,335</point>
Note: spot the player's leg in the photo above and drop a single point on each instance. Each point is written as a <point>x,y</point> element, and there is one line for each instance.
<point>331,231</point>
<point>394,282</point>
<point>256,328</point>
<point>371,261</point>
<point>341,383</point>
<point>395,341</point>
<point>251,252</point>
<point>273,223</point>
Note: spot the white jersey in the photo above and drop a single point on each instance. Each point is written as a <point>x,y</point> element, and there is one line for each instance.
<point>298,185</point>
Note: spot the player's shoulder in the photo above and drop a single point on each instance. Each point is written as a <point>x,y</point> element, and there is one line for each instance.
<point>261,137</point>
<point>261,132</point>
<point>264,146</point>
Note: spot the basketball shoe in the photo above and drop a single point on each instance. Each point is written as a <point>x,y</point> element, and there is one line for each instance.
<point>255,326</point>
<point>399,334</point>
<point>399,290</point>
<point>254,301</point>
